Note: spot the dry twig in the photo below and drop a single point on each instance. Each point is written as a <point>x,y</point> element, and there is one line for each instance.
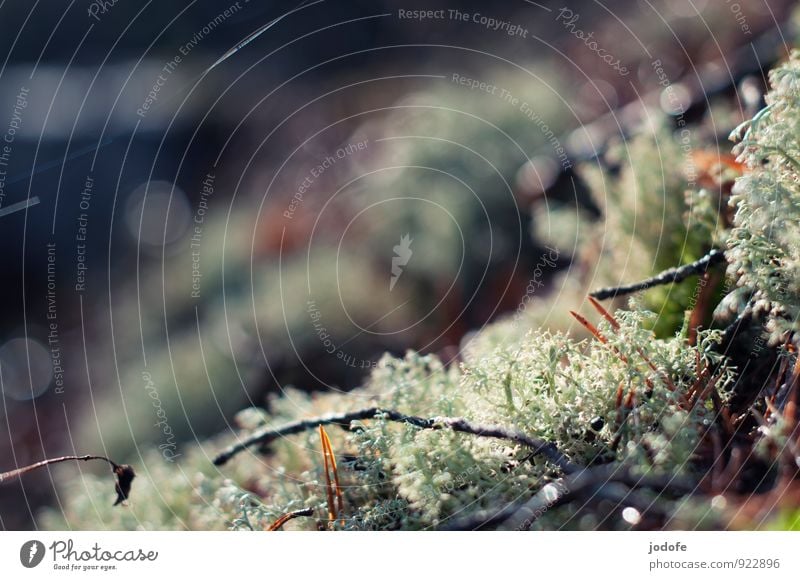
<point>457,424</point>
<point>123,474</point>
<point>305,512</point>
<point>678,274</point>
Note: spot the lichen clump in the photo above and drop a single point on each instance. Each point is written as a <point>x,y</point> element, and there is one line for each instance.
<point>398,476</point>
<point>764,248</point>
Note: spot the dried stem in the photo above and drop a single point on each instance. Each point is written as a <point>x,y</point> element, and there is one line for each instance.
<point>305,512</point>
<point>666,277</point>
<point>457,424</point>
<point>123,473</point>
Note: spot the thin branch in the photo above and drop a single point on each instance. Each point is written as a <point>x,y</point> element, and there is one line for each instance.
<point>305,512</point>
<point>122,473</point>
<point>608,482</point>
<point>250,38</point>
<point>483,519</point>
<point>678,274</point>
<point>15,473</point>
<point>457,424</point>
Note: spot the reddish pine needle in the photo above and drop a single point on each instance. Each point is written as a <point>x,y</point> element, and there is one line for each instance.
<point>332,485</point>
<point>589,326</point>
<point>604,313</point>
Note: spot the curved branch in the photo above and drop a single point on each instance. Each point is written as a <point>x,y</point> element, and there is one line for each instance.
<point>457,424</point>
<point>123,474</point>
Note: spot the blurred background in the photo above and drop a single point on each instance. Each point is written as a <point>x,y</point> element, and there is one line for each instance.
<point>187,227</point>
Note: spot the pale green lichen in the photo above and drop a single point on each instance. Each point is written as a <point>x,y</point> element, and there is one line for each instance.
<point>764,247</point>
<point>397,476</point>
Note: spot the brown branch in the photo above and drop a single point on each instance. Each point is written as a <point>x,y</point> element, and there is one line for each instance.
<point>123,474</point>
<point>457,424</point>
